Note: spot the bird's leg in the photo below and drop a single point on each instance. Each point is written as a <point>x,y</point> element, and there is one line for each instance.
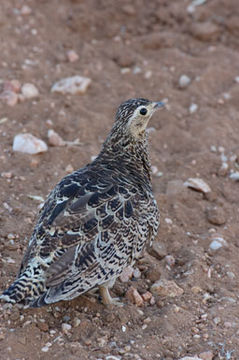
<point>106,297</point>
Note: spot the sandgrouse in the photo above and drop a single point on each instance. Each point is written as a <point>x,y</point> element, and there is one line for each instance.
<point>96,221</point>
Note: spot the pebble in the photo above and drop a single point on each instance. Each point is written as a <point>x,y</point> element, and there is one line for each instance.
<point>72,56</point>
<point>43,326</point>
<point>170,260</point>
<point>192,7</point>
<point>166,288</point>
<point>29,91</point>
<point>69,169</point>
<point>72,85</point>
<point>190,358</point>
<point>234,176</point>
<point>184,81</point>
<point>46,347</point>
<point>205,31</point>
<point>137,273</point>
<point>29,144</point>
<point>193,108</point>
<point>112,357</point>
<point>168,221</point>
<point>216,215</point>
<point>65,328</point>
<point>237,79</point>
<point>158,250</point>
<point>147,296</point>
<point>197,184</point>
<point>26,10</point>
<point>206,355</point>
<point>134,296</point>
<point>217,243</point>
<point>9,97</point>
<point>55,139</point>
<point>76,322</point>
<point>223,169</point>
<point>217,320</point>
<point>126,274</point>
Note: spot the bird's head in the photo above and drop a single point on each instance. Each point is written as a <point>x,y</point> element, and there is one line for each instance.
<point>134,114</point>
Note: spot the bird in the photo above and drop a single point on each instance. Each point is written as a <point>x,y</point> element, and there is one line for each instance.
<point>96,221</point>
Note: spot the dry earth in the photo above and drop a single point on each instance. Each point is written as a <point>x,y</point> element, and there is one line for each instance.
<point>128,49</point>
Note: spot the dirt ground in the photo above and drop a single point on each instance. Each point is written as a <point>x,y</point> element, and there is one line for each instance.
<point>128,49</point>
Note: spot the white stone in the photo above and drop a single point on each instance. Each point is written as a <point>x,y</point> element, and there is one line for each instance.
<point>126,274</point>
<point>72,56</point>
<point>29,144</point>
<point>191,358</point>
<point>217,243</point>
<point>29,91</point>
<point>237,79</point>
<point>65,327</point>
<point>197,184</point>
<point>193,108</point>
<point>184,81</point>
<point>55,139</point>
<point>234,176</point>
<point>72,85</point>
<point>167,288</point>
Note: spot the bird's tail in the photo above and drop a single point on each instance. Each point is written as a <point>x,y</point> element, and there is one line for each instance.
<point>23,290</point>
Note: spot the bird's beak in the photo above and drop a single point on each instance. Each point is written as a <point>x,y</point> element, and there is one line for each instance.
<point>158,105</point>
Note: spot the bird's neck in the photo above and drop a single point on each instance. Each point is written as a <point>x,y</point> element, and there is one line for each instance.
<point>129,152</point>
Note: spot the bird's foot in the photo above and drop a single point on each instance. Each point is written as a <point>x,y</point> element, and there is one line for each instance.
<point>107,299</point>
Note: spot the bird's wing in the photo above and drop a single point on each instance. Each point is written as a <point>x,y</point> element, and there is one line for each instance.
<point>84,224</point>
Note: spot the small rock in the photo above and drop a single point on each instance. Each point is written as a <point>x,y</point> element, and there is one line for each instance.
<point>76,322</point>
<point>12,85</point>
<point>72,56</point>
<point>168,221</point>
<point>193,108</point>
<point>29,144</point>
<point>196,290</point>
<point>223,171</point>
<point>55,139</point>
<point>191,357</point>
<point>217,243</point>
<point>158,250</point>
<point>205,31</point>
<point>69,169</point>
<point>72,85</point>
<point>134,296</point>
<point>43,326</point>
<point>237,79</point>
<point>166,288</point>
<point>234,176</point>
<point>197,184</point>
<point>29,91</point>
<point>112,357</point>
<point>216,215</point>
<point>206,355</point>
<point>9,97</point>
<point>26,10</point>
<point>126,274</point>
<point>137,273</point>
<point>184,81</point>
<point>147,296</point>
<point>231,275</point>
<point>170,260</point>
<point>45,348</point>
<point>65,328</point>
<point>128,9</point>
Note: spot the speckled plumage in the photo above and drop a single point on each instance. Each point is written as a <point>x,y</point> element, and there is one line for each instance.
<point>96,220</point>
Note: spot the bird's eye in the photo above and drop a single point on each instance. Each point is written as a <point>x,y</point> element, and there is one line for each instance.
<point>143,111</point>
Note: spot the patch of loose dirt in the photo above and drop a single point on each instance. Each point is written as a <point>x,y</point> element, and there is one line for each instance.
<point>128,49</point>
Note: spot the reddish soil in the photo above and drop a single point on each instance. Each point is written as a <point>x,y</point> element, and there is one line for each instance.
<point>157,41</point>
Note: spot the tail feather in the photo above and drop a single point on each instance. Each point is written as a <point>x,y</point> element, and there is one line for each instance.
<point>24,290</point>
